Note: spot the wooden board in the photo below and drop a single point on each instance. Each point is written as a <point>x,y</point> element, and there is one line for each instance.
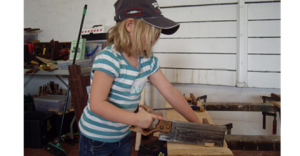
<point>196,76</point>
<point>207,13</point>
<point>138,137</point>
<point>275,103</point>
<point>264,80</point>
<point>203,61</point>
<point>264,28</point>
<point>264,62</point>
<point>199,45</point>
<point>264,11</point>
<point>210,29</point>
<point>264,46</point>
<point>181,149</point>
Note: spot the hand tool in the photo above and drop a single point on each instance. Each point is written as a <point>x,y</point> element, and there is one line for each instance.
<point>185,132</point>
<point>193,100</point>
<point>275,100</point>
<point>274,121</point>
<point>195,108</point>
<point>33,70</point>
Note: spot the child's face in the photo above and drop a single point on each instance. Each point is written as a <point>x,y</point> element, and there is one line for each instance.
<point>145,45</point>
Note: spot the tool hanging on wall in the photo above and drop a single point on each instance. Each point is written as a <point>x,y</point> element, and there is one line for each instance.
<point>55,149</point>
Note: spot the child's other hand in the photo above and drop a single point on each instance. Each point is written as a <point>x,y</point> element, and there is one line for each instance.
<point>145,119</point>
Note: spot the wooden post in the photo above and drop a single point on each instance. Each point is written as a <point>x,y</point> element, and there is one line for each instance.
<point>77,84</point>
<point>242,42</point>
<point>138,137</point>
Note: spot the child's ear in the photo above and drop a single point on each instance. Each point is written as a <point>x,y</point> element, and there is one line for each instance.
<point>129,25</point>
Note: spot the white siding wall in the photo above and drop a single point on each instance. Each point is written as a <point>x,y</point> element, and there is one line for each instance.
<point>207,56</point>
<point>224,38</point>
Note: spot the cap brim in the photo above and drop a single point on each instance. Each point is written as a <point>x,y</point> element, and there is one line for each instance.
<point>168,26</point>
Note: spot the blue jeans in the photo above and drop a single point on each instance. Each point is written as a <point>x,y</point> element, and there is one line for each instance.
<point>90,147</point>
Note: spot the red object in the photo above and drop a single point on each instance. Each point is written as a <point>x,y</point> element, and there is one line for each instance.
<point>64,51</point>
<point>30,47</point>
<point>274,127</point>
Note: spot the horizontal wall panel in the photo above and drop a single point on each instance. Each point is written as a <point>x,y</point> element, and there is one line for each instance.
<point>264,80</point>
<point>264,63</point>
<point>169,3</point>
<point>201,13</point>
<point>210,77</point>
<point>264,45</point>
<point>263,11</point>
<point>264,28</point>
<point>205,29</point>
<point>199,61</point>
<point>207,45</point>
<point>262,1</point>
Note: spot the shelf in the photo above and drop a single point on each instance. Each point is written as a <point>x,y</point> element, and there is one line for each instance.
<point>58,72</point>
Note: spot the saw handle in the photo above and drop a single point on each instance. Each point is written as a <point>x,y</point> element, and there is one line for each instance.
<point>161,126</point>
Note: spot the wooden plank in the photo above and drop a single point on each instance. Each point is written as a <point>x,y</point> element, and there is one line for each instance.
<point>205,29</point>
<point>264,45</point>
<point>239,106</point>
<point>275,103</point>
<point>138,137</point>
<point>207,45</point>
<point>264,62</point>
<point>202,61</point>
<point>264,80</point>
<point>180,149</point>
<point>211,77</point>
<point>264,28</point>
<point>264,11</point>
<point>201,13</point>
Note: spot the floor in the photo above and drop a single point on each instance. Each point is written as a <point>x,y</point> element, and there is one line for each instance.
<point>72,150</point>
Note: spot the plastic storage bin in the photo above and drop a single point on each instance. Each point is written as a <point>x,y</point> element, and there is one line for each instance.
<point>52,103</point>
<point>63,65</point>
<point>38,129</point>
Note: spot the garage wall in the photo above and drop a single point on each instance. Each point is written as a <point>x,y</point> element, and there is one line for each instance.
<point>228,50</point>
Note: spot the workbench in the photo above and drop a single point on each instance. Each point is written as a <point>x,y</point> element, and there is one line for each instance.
<point>59,73</point>
<point>181,149</point>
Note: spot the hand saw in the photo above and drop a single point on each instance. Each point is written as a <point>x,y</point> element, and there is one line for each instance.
<point>184,132</point>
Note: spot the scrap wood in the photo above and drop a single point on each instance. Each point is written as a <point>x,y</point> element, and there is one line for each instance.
<point>51,88</point>
<point>275,103</point>
<point>48,62</point>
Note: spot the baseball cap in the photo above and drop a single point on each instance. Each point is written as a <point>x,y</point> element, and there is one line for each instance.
<point>146,10</point>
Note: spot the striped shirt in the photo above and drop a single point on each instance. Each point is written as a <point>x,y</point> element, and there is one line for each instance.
<point>125,93</point>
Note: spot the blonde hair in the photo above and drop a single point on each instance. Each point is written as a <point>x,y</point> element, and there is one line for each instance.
<point>143,32</point>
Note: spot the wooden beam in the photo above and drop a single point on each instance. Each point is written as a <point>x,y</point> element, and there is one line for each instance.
<point>138,137</point>
<point>238,106</point>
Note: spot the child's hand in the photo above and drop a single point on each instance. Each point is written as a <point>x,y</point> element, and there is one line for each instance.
<point>145,119</point>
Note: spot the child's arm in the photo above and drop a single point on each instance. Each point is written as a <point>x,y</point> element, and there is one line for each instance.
<point>102,83</point>
<point>173,96</point>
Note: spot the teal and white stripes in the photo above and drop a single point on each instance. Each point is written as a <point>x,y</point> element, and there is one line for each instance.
<point>125,93</point>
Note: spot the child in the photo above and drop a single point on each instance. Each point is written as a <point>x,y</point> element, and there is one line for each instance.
<point>118,77</point>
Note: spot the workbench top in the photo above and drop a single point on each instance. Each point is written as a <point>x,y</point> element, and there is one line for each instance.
<point>181,149</point>
<point>59,72</point>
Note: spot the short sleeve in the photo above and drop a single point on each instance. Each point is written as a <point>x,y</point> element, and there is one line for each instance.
<point>154,64</point>
<point>107,62</point>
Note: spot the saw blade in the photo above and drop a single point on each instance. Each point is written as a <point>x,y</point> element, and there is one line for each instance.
<point>195,133</point>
